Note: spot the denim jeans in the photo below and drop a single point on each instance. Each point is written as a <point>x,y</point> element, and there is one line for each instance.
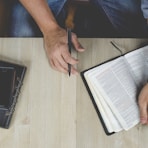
<point>22,24</point>
<point>124,15</point>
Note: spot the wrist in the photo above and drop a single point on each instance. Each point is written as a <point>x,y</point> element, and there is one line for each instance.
<point>48,27</point>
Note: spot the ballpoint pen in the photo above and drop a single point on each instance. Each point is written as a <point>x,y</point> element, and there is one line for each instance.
<point>69,48</point>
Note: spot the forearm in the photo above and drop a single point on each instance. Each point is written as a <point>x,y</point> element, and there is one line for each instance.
<point>55,37</point>
<point>41,13</point>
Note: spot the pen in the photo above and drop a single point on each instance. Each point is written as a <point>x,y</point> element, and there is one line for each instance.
<point>69,48</point>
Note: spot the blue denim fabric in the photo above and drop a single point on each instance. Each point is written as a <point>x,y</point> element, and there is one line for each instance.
<point>125,16</point>
<point>22,24</point>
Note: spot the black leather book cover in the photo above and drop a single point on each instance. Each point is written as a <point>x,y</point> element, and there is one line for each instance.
<point>6,112</point>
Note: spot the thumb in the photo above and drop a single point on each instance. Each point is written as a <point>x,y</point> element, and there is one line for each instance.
<point>76,43</point>
<point>143,113</point>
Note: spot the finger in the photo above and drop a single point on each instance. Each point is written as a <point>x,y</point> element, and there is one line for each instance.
<point>63,63</point>
<point>52,64</point>
<point>57,66</point>
<point>143,113</point>
<point>65,66</point>
<point>68,58</point>
<point>76,43</point>
<point>74,71</point>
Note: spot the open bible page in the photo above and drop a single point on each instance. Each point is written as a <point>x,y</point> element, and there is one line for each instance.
<point>115,83</point>
<point>112,124</point>
<point>137,61</point>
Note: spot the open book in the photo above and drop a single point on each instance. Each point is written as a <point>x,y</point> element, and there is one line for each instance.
<point>114,87</point>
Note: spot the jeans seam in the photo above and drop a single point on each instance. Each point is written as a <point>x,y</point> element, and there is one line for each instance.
<point>60,8</point>
<point>106,14</point>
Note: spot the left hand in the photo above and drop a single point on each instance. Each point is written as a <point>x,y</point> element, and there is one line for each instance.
<point>143,104</point>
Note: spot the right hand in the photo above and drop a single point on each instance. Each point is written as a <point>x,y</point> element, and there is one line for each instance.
<point>143,104</point>
<point>55,42</point>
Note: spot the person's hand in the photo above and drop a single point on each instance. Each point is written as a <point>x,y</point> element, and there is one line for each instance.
<point>56,45</point>
<point>143,104</point>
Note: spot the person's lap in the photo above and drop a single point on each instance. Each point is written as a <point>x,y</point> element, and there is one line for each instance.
<point>22,24</point>
<point>125,16</point>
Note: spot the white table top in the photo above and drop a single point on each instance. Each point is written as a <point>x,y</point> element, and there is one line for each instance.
<point>54,110</point>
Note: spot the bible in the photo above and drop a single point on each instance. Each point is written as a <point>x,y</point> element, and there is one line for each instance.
<point>11,79</point>
<point>114,87</point>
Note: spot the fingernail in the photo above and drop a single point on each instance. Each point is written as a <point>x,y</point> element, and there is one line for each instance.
<point>143,121</point>
<point>81,48</point>
<point>75,73</point>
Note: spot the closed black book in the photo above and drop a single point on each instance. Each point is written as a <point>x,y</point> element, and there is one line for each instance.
<point>11,79</point>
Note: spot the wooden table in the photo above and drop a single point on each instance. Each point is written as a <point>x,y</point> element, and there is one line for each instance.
<point>54,110</point>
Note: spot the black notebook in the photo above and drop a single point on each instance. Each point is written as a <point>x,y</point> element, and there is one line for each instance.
<point>114,86</point>
<point>11,79</point>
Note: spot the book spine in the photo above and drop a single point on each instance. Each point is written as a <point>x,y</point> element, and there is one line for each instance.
<point>15,98</point>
